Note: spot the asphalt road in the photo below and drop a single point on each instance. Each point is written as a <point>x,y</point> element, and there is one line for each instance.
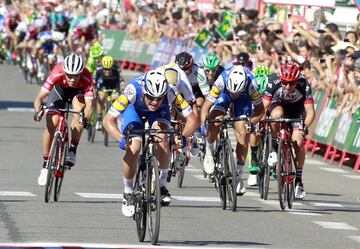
<point>89,210</point>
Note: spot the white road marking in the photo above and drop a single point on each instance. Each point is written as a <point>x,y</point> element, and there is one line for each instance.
<point>356,238</point>
<point>100,195</point>
<point>16,193</point>
<point>275,202</point>
<point>335,225</point>
<point>321,204</point>
<point>200,177</point>
<point>352,176</point>
<point>20,109</point>
<point>314,161</point>
<point>193,170</point>
<point>334,170</point>
<point>303,212</point>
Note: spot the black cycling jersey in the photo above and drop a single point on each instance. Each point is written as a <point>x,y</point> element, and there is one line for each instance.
<point>108,82</point>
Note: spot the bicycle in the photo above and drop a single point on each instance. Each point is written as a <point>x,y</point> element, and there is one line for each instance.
<point>147,187</point>
<point>178,159</point>
<point>58,151</point>
<point>285,167</point>
<point>225,168</point>
<point>264,150</point>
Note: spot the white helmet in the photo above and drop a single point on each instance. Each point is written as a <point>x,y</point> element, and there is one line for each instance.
<point>73,64</point>
<point>237,80</point>
<point>84,24</point>
<point>156,84</point>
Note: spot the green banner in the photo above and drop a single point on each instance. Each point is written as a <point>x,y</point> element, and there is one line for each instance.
<point>324,127</point>
<point>225,29</point>
<point>343,124</point>
<point>229,16</point>
<point>118,45</point>
<point>352,143</point>
<point>203,39</point>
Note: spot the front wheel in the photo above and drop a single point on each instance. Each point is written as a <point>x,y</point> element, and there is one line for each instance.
<point>60,172</point>
<point>52,165</point>
<point>230,175</point>
<point>140,206</point>
<point>280,167</point>
<point>153,197</point>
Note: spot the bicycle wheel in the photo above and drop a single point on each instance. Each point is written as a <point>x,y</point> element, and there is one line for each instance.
<point>106,135</point>
<point>153,200</point>
<point>230,175</point>
<point>140,206</point>
<point>60,172</point>
<point>281,175</point>
<point>260,159</point>
<point>291,177</point>
<point>266,167</point>
<point>91,128</point>
<point>52,164</point>
<point>220,182</point>
<point>180,174</point>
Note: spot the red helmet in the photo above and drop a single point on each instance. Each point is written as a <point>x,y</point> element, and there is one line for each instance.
<point>289,72</point>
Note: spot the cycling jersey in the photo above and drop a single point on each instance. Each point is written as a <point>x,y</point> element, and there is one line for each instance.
<point>197,78</point>
<point>181,82</point>
<point>251,88</point>
<point>57,76</point>
<point>108,82</point>
<point>90,33</point>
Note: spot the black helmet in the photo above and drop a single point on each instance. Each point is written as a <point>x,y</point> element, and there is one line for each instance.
<point>243,58</point>
<point>184,60</point>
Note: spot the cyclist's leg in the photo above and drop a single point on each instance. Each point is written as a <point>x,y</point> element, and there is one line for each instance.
<point>99,108</point>
<point>276,111</point>
<point>161,120</point>
<point>297,137</point>
<point>254,164</point>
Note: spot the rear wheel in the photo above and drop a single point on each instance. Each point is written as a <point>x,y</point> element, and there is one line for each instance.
<point>230,175</point>
<point>281,175</point>
<point>91,128</point>
<point>140,207</point>
<point>153,197</point>
<point>290,182</point>
<point>266,173</point>
<point>52,164</point>
<point>106,135</point>
<point>181,174</point>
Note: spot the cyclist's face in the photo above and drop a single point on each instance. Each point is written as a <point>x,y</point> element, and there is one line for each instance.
<point>289,86</point>
<point>210,74</point>
<point>152,103</point>
<point>107,72</point>
<point>72,79</point>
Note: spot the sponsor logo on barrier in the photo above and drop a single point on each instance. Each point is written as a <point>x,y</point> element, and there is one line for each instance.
<point>343,128</point>
<point>356,142</point>
<point>325,122</point>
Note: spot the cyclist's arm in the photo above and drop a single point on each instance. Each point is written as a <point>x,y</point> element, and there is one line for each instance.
<point>42,94</point>
<point>310,114</point>
<point>255,97</point>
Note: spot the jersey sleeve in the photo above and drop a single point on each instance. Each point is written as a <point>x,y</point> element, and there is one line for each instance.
<point>203,83</point>
<point>123,101</point>
<point>217,88</point>
<point>308,94</point>
<point>54,78</point>
<point>180,103</point>
<point>185,88</point>
<point>270,87</point>
<point>253,90</point>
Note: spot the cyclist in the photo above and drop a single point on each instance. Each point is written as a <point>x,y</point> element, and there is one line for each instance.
<point>96,51</point>
<point>68,80</point>
<point>235,85</point>
<point>212,69</point>
<point>106,78</point>
<point>146,96</point>
<point>289,95</point>
<point>260,72</point>
<point>197,79</point>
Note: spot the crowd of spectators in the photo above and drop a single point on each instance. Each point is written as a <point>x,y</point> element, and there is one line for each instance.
<point>329,58</point>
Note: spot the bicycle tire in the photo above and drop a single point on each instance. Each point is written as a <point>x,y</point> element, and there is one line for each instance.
<point>267,171</point>
<point>291,182</point>
<point>153,200</point>
<point>181,173</point>
<point>53,160</point>
<point>281,176</point>
<point>230,175</point>
<point>260,159</point>
<point>220,178</point>
<point>59,179</point>
<point>106,134</point>
<point>91,128</point>
<point>140,206</point>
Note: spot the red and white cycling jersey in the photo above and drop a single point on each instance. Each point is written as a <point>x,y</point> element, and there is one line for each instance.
<point>90,33</point>
<point>57,76</point>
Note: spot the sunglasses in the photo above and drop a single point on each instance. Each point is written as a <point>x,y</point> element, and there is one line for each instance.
<point>73,76</point>
<point>151,98</point>
<point>285,83</point>
<point>207,70</point>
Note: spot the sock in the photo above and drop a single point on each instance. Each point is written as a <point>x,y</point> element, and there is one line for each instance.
<point>163,177</point>
<point>210,146</point>
<point>73,145</point>
<point>254,153</point>
<point>298,176</point>
<point>128,185</point>
<point>46,159</point>
<point>240,170</point>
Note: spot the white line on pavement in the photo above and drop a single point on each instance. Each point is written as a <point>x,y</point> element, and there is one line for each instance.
<point>100,195</point>
<point>15,193</point>
<point>335,225</point>
<point>356,238</point>
<point>303,212</point>
<point>20,109</point>
<point>352,176</point>
<point>334,170</point>
<point>321,204</point>
<point>200,177</point>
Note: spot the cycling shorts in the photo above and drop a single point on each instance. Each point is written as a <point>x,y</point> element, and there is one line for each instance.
<point>291,110</point>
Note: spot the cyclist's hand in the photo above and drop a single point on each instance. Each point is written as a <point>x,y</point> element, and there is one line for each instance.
<point>38,115</point>
<point>122,143</point>
<point>84,122</point>
<point>305,130</point>
<point>249,128</point>
<point>203,130</point>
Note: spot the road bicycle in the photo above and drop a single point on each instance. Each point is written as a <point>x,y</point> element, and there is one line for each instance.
<point>285,167</point>
<point>264,150</point>
<point>225,172</point>
<point>58,151</point>
<point>147,187</point>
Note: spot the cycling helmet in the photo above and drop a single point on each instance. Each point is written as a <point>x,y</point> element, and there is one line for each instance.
<point>96,51</point>
<point>289,72</point>
<point>262,81</point>
<point>243,58</point>
<point>184,60</point>
<point>84,24</point>
<point>156,84</point>
<point>236,81</point>
<point>73,64</point>
<point>107,62</point>
<point>261,69</point>
<point>211,61</point>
